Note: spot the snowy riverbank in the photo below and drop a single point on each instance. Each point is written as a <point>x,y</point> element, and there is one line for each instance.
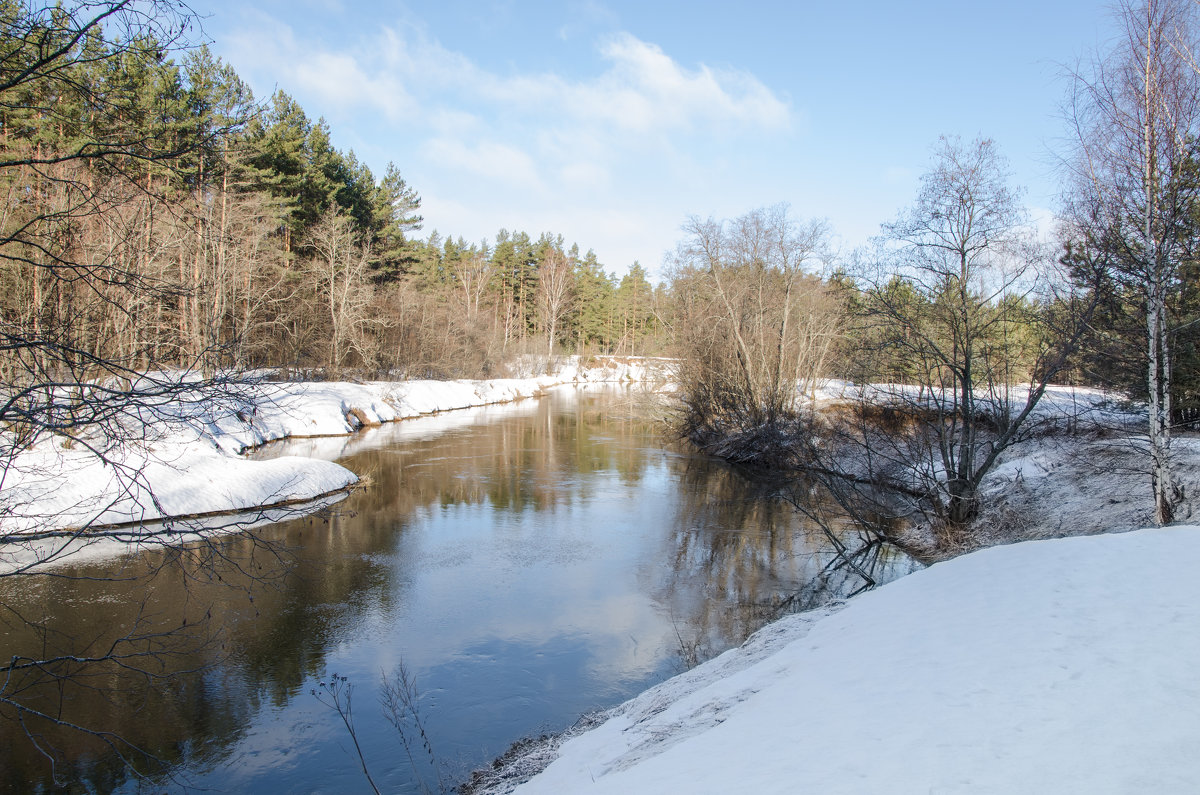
<point>188,460</point>
<point>1065,665</point>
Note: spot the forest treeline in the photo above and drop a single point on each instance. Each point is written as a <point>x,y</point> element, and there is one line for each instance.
<point>158,215</point>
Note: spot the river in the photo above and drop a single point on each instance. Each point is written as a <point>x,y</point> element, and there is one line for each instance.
<point>526,564</point>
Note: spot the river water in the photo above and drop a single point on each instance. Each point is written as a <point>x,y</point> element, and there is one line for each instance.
<point>526,564</point>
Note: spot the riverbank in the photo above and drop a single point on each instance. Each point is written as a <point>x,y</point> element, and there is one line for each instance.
<point>1063,665</point>
<point>188,460</point>
<point>1081,467</point>
<point>1033,660</point>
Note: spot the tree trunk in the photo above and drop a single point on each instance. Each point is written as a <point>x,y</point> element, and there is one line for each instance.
<point>1159,385</point>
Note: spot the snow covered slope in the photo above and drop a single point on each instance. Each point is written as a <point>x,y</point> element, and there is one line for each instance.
<point>1066,666</point>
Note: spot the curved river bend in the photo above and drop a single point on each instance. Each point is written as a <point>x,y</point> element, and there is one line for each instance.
<point>527,563</point>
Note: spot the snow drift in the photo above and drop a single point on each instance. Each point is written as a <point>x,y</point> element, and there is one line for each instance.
<point>1049,666</point>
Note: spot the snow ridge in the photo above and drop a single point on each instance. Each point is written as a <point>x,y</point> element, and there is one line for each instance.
<point>1064,665</point>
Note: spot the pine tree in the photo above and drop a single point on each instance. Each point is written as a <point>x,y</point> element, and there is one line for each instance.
<point>278,159</point>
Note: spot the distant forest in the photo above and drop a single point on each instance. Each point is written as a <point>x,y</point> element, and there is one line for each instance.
<point>157,215</point>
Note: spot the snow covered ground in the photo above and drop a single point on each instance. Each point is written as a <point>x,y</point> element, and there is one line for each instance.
<point>1059,405</point>
<point>1082,471</point>
<point>188,459</point>
<point>1063,666</point>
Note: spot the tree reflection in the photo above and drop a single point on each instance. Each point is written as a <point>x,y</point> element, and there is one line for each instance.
<point>743,554</point>
<point>263,626</point>
<point>256,626</point>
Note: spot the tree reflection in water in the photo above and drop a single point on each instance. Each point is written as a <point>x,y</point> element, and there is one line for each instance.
<point>745,554</point>
<point>531,562</point>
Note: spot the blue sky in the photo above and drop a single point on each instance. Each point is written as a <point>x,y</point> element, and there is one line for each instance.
<point>611,122</point>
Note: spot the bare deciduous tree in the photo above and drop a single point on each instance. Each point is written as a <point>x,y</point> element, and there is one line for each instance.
<point>755,323</point>
<point>340,267</point>
<point>555,292</point>
<point>473,274</point>
<point>959,291</point>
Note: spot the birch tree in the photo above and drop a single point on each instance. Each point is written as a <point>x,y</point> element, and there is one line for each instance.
<point>555,292</point>
<point>1135,115</point>
<point>339,268</point>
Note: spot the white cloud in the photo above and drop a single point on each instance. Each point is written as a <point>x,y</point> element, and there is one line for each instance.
<point>340,81</point>
<point>643,90</point>
<point>584,175</point>
<point>406,74</point>
<point>450,121</point>
<point>410,54</point>
<point>646,90</point>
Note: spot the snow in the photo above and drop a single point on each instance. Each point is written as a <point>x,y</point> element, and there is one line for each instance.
<point>1093,482</point>
<point>1064,665</point>
<point>1080,469</point>
<point>188,458</point>
<point>425,427</point>
<point>60,488</point>
<point>1061,404</point>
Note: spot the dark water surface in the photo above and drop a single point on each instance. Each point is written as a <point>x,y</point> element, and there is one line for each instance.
<point>527,563</point>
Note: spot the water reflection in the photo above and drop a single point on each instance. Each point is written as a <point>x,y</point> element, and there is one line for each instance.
<point>528,563</point>
<point>740,556</point>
